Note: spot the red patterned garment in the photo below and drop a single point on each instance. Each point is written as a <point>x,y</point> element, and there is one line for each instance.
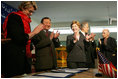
<point>26,20</point>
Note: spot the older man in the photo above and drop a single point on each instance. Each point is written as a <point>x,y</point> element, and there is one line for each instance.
<point>108,46</point>
<point>90,45</point>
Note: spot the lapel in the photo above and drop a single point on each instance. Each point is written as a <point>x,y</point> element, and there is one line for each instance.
<point>80,42</point>
<point>82,35</point>
<point>43,33</point>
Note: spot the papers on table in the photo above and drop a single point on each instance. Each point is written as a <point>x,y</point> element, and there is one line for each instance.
<point>67,70</point>
<point>58,73</point>
<point>54,75</point>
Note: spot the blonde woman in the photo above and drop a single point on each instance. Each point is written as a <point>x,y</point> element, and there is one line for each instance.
<point>17,51</point>
<point>75,47</point>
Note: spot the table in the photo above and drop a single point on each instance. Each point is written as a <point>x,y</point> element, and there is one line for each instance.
<point>86,74</point>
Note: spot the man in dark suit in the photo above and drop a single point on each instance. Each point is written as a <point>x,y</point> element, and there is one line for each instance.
<point>45,43</point>
<point>90,45</point>
<point>108,47</point>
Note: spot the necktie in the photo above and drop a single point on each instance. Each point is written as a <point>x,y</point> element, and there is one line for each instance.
<point>47,33</point>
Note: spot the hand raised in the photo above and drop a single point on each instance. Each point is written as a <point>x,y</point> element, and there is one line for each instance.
<point>99,41</point>
<point>88,37</point>
<point>38,28</point>
<point>93,35</point>
<point>51,35</point>
<point>56,34</point>
<point>75,37</point>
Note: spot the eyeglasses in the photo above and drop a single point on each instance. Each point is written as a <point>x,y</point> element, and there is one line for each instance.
<point>30,11</point>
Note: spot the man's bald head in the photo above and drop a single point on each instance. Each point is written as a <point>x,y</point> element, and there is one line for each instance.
<point>105,33</point>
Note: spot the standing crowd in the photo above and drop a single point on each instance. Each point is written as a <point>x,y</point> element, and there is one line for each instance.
<point>16,57</point>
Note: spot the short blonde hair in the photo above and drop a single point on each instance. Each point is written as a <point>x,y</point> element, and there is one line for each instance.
<point>27,4</point>
<point>75,22</point>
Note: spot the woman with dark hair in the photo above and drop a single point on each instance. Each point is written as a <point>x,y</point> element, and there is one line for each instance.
<point>45,43</point>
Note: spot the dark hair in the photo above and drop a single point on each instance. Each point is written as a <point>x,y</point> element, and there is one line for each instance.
<point>45,18</point>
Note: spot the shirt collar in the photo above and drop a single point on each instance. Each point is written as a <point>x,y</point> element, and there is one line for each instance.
<point>82,32</point>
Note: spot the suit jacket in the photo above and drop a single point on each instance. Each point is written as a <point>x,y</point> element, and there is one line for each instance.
<point>44,51</point>
<point>76,51</point>
<point>109,50</point>
<point>90,51</point>
<point>91,54</point>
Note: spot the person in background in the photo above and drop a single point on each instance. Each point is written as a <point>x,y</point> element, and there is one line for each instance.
<point>45,43</point>
<point>17,51</point>
<point>76,47</point>
<point>108,47</point>
<point>90,47</point>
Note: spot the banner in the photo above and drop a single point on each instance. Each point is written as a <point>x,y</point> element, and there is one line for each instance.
<point>5,10</point>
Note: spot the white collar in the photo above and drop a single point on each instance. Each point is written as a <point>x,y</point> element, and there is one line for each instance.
<point>83,33</point>
<point>45,30</point>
